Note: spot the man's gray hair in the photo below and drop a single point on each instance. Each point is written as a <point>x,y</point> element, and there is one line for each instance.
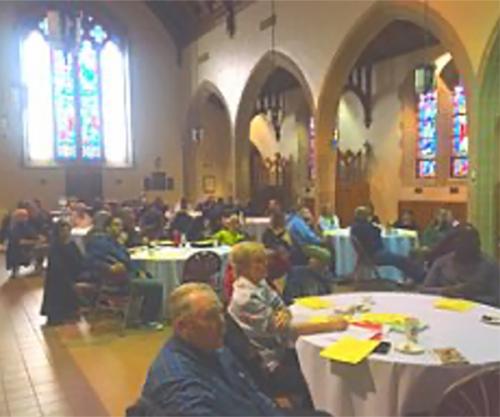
<point>179,302</point>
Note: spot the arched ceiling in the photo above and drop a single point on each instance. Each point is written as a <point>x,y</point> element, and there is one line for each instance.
<point>186,20</point>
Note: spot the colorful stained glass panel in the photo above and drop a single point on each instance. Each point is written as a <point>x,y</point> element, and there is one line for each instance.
<point>460,150</point>
<point>460,167</point>
<point>98,34</point>
<point>426,168</point>
<point>64,106</point>
<point>427,135</point>
<point>90,118</point>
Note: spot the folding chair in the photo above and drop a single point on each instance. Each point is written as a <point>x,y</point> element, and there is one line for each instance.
<point>474,395</point>
<point>365,268</point>
<point>203,266</point>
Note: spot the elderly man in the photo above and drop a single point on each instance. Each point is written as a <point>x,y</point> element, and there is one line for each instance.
<point>262,315</point>
<point>194,375</point>
<point>465,272</point>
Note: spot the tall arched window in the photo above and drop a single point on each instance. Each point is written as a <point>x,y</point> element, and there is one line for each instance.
<point>460,143</point>
<point>76,103</point>
<point>427,135</point>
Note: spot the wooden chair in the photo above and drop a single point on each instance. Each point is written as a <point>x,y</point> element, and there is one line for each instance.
<point>204,266</point>
<point>365,267</point>
<point>474,395</point>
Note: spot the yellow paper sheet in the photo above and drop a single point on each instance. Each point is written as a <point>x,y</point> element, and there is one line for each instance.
<point>323,318</point>
<point>319,319</point>
<point>454,304</point>
<point>349,349</point>
<point>314,303</point>
<point>383,318</point>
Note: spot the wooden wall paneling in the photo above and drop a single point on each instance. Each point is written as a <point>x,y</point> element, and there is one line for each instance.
<point>424,210</point>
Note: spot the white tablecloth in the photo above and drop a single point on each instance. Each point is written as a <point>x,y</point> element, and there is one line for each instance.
<point>167,263</point>
<point>397,384</point>
<point>256,226</point>
<point>397,241</point>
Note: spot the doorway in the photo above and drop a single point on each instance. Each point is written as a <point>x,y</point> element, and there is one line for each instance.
<point>84,183</point>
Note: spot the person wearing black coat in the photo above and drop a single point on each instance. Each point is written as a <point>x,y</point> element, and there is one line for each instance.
<point>60,301</point>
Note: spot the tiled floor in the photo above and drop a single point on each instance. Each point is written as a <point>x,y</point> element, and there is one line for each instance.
<point>71,370</point>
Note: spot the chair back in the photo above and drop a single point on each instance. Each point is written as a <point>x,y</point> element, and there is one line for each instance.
<point>474,395</point>
<point>278,264</point>
<point>202,266</point>
<point>240,346</point>
<point>365,266</point>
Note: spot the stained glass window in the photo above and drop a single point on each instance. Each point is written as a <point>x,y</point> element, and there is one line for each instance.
<point>460,144</point>
<point>427,135</point>
<point>76,102</point>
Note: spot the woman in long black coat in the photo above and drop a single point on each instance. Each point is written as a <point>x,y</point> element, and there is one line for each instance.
<point>60,301</point>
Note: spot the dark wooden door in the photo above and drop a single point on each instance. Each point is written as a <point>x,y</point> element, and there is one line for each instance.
<point>85,183</point>
<point>351,187</point>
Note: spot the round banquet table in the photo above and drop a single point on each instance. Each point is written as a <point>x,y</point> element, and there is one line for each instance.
<point>256,226</point>
<point>396,240</point>
<point>167,263</point>
<point>396,384</point>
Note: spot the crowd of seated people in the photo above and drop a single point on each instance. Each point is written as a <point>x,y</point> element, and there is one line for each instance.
<point>196,372</point>
<point>25,231</point>
<point>292,240</point>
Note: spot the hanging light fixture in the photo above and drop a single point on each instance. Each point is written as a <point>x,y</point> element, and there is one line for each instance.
<point>271,101</point>
<point>425,74</point>
<point>197,131</point>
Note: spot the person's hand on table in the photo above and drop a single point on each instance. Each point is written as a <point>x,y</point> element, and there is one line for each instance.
<point>117,268</point>
<point>281,319</point>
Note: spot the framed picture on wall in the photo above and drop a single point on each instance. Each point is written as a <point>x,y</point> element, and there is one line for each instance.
<point>209,184</point>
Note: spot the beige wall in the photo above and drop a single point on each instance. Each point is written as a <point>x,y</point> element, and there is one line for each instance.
<point>293,144</point>
<point>156,115</point>
<point>393,135</point>
<point>212,154</point>
<point>323,27</point>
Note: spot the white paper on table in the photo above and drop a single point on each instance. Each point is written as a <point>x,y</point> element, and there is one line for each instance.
<point>325,339</point>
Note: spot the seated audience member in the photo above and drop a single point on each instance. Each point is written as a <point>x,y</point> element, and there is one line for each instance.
<point>152,222</point>
<point>372,217</point>
<point>230,234</point>
<point>130,236</point>
<point>262,315</point>
<point>60,301</point>
<point>465,272</point>
<point>300,229</point>
<point>406,221</point>
<point>327,220</point>
<point>300,226</point>
<point>40,218</point>
<point>181,223</point>
<point>313,279</point>
<point>194,374</point>
<point>276,237</point>
<point>370,239</point>
<point>105,255</point>
<point>200,229</point>
<point>80,217</point>
<point>273,206</point>
<point>437,230</point>
<point>23,243</point>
